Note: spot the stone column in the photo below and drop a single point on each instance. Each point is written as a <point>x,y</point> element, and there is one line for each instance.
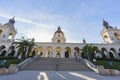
<point>117,56</point>
<point>53,52</point>
<point>62,53</point>
<point>44,52</point>
<point>108,54</point>
<point>72,53</point>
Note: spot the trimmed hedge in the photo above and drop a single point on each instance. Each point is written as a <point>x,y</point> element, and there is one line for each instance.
<point>9,61</point>
<point>105,63</point>
<point>6,58</point>
<point>107,59</point>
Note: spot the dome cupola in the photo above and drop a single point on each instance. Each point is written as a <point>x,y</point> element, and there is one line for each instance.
<point>58,36</point>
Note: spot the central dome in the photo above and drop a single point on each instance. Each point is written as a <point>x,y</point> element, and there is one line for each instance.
<point>58,36</point>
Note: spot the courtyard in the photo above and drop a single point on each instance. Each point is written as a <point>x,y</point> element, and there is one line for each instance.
<point>57,75</point>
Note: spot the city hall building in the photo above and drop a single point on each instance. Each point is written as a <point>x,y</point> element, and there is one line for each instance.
<point>58,47</point>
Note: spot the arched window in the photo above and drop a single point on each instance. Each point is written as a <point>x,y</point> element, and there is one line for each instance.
<point>116,35</point>
<point>58,35</point>
<point>105,37</point>
<point>10,36</point>
<point>58,41</point>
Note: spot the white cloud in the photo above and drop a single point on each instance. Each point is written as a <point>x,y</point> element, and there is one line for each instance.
<point>41,32</point>
<point>39,36</point>
<point>27,21</point>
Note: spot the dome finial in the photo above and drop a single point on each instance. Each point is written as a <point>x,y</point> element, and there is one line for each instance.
<point>105,24</point>
<point>59,29</point>
<point>11,22</point>
<point>13,18</point>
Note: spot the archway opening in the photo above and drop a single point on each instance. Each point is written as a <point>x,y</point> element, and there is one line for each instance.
<point>67,52</point>
<point>2,50</point>
<point>11,51</point>
<point>112,53</point>
<point>105,38</point>
<point>76,51</point>
<point>10,36</point>
<point>49,51</point>
<point>2,47</point>
<point>58,52</point>
<point>39,50</point>
<point>116,35</point>
<point>104,52</point>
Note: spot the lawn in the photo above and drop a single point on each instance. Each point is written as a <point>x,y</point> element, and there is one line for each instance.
<point>115,64</point>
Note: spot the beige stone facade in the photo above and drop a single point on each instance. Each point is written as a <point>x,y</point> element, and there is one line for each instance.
<point>60,48</point>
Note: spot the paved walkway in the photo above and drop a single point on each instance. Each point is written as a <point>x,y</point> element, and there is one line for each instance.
<point>57,75</point>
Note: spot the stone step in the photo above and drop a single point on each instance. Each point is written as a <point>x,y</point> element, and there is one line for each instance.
<point>57,64</point>
<point>57,59</point>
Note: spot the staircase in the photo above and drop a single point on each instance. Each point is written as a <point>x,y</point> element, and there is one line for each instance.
<point>57,64</point>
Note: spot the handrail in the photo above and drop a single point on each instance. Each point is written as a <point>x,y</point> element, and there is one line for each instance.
<point>26,62</point>
<point>98,69</point>
<point>87,63</point>
<point>91,65</point>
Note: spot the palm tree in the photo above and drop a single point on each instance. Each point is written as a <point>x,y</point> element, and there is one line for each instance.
<point>31,44</point>
<point>24,45</point>
<point>89,51</point>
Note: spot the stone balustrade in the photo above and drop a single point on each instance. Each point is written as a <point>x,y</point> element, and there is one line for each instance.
<point>99,69</point>
<point>26,62</point>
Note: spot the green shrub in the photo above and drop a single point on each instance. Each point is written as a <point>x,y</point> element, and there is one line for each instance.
<point>7,58</point>
<point>7,62</point>
<point>105,63</point>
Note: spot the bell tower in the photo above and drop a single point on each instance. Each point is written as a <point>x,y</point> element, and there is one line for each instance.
<point>110,35</point>
<point>7,32</point>
<point>58,36</point>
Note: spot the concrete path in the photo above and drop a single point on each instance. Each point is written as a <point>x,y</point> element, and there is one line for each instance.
<point>57,75</point>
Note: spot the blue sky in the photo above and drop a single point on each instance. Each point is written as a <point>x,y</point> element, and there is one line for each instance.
<point>78,18</point>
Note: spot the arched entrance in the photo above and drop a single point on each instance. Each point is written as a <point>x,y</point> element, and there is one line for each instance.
<point>67,52</point>
<point>49,52</point>
<point>39,50</point>
<point>2,50</point>
<point>104,52</point>
<point>112,53</point>
<point>76,51</point>
<point>58,52</point>
<point>11,51</point>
